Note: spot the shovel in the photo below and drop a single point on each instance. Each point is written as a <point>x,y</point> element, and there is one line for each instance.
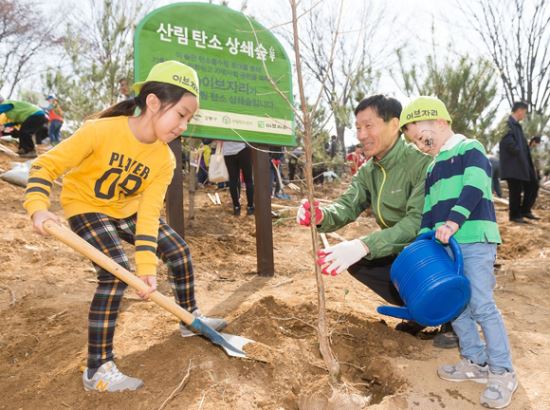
<point>293,187</point>
<point>233,345</point>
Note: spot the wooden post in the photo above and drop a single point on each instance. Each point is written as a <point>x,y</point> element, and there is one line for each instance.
<point>262,203</point>
<point>194,155</point>
<point>174,195</point>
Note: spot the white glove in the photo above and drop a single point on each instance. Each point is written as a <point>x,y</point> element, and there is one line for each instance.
<point>338,258</point>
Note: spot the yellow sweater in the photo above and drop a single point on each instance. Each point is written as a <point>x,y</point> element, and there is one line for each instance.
<point>109,172</point>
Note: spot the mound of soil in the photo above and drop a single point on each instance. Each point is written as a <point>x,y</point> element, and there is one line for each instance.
<point>295,369</point>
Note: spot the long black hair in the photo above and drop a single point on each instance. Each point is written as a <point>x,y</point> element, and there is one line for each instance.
<point>168,95</point>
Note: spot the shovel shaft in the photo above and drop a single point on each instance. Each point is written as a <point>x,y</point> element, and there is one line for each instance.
<point>74,241</point>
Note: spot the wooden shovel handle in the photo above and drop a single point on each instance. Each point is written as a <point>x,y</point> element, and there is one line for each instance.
<point>74,241</point>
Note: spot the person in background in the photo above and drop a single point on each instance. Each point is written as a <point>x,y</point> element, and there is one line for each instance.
<point>124,89</point>
<point>277,157</point>
<point>55,114</point>
<point>204,161</point>
<point>238,158</point>
<point>32,120</point>
<point>495,174</point>
<point>332,146</point>
<point>516,167</point>
<point>535,183</point>
<point>356,158</point>
<point>294,158</point>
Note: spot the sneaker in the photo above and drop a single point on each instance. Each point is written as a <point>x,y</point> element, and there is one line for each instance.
<point>499,390</point>
<point>214,323</point>
<point>109,378</point>
<point>28,154</point>
<point>250,210</point>
<point>464,370</point>
<point>530,215</point>
<point>410,327</point>
<point>237,210</point>
<point>446,338</point>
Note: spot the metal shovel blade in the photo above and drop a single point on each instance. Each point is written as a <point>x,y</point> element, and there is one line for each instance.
<point>232,344</point>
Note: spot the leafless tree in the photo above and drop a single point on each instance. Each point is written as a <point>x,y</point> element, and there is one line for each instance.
<point>516,34</point>
<point>324,345</point>
<point>354,67</point>
<point>23,34</point>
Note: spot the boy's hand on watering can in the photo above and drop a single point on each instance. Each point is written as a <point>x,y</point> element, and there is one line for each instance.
<point>303,217</point>
<point>338,258</point>
<point>445,231</point>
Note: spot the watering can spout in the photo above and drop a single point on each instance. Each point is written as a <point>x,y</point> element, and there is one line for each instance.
<point>400,312</point>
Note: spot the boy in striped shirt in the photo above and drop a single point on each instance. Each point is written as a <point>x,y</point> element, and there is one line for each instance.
<point>459,203</point>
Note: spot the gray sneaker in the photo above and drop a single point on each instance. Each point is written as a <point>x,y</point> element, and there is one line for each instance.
<point>464,370</point>
<point>214,323</point>
<point>109,378</point>
<point>499,391</point>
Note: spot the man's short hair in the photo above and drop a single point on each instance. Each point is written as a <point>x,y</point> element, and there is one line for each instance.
<point>519,105</point>
<point>386,107</point>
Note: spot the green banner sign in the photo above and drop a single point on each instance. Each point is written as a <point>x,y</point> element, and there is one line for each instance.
<point>231,54</point>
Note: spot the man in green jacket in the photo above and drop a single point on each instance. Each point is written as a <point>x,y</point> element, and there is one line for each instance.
<point>32,121</point>
<point>391,184</point>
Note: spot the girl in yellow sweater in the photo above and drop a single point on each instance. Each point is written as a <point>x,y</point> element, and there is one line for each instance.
<point>118,169</point>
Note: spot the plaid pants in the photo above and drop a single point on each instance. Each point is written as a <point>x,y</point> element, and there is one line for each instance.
<point>105,233</point>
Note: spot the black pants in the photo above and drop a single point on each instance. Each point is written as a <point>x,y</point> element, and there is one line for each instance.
<point>496,182</point>
<point>521,206</point>
<point>376,275</point>
<point>242,161</point>
<point>32,125</point>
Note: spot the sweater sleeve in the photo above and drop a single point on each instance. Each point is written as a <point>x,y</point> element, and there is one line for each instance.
<point>147,226</point>
<point>50,165</point>
<point>426,224</point>
<point>349,206</point>
<point>477,174</point>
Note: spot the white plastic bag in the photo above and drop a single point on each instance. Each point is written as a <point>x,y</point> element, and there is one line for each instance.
<point>18,174</point>
<point>217,171</point>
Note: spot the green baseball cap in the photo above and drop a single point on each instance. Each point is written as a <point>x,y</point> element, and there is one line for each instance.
<point>172,72</point>
<point>424,109</point>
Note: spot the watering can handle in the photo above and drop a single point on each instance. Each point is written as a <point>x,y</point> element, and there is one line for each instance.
<point>459,263</point>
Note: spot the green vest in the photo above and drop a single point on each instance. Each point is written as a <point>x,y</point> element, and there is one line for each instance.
<point>21,111</point>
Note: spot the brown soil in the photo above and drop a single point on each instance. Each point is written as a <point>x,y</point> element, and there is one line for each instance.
<point>46,288</point>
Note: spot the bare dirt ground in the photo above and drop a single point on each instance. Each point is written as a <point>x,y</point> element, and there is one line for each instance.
<point>46,288</point>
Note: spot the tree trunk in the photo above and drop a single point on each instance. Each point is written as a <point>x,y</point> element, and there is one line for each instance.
<point>324,345</point>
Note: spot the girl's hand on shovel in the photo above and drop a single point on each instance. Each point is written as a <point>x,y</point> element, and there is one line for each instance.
<point>150,281</point>
<point>38,219</point>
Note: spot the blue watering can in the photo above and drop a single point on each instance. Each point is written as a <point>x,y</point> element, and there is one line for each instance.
<point>433,287</point>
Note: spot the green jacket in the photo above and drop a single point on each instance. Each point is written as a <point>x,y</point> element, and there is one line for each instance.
<point>18,111</point>
<point>394,189</point>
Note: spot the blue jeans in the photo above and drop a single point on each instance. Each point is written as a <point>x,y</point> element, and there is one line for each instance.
<point>55,131</point>
<point>478,268</point>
